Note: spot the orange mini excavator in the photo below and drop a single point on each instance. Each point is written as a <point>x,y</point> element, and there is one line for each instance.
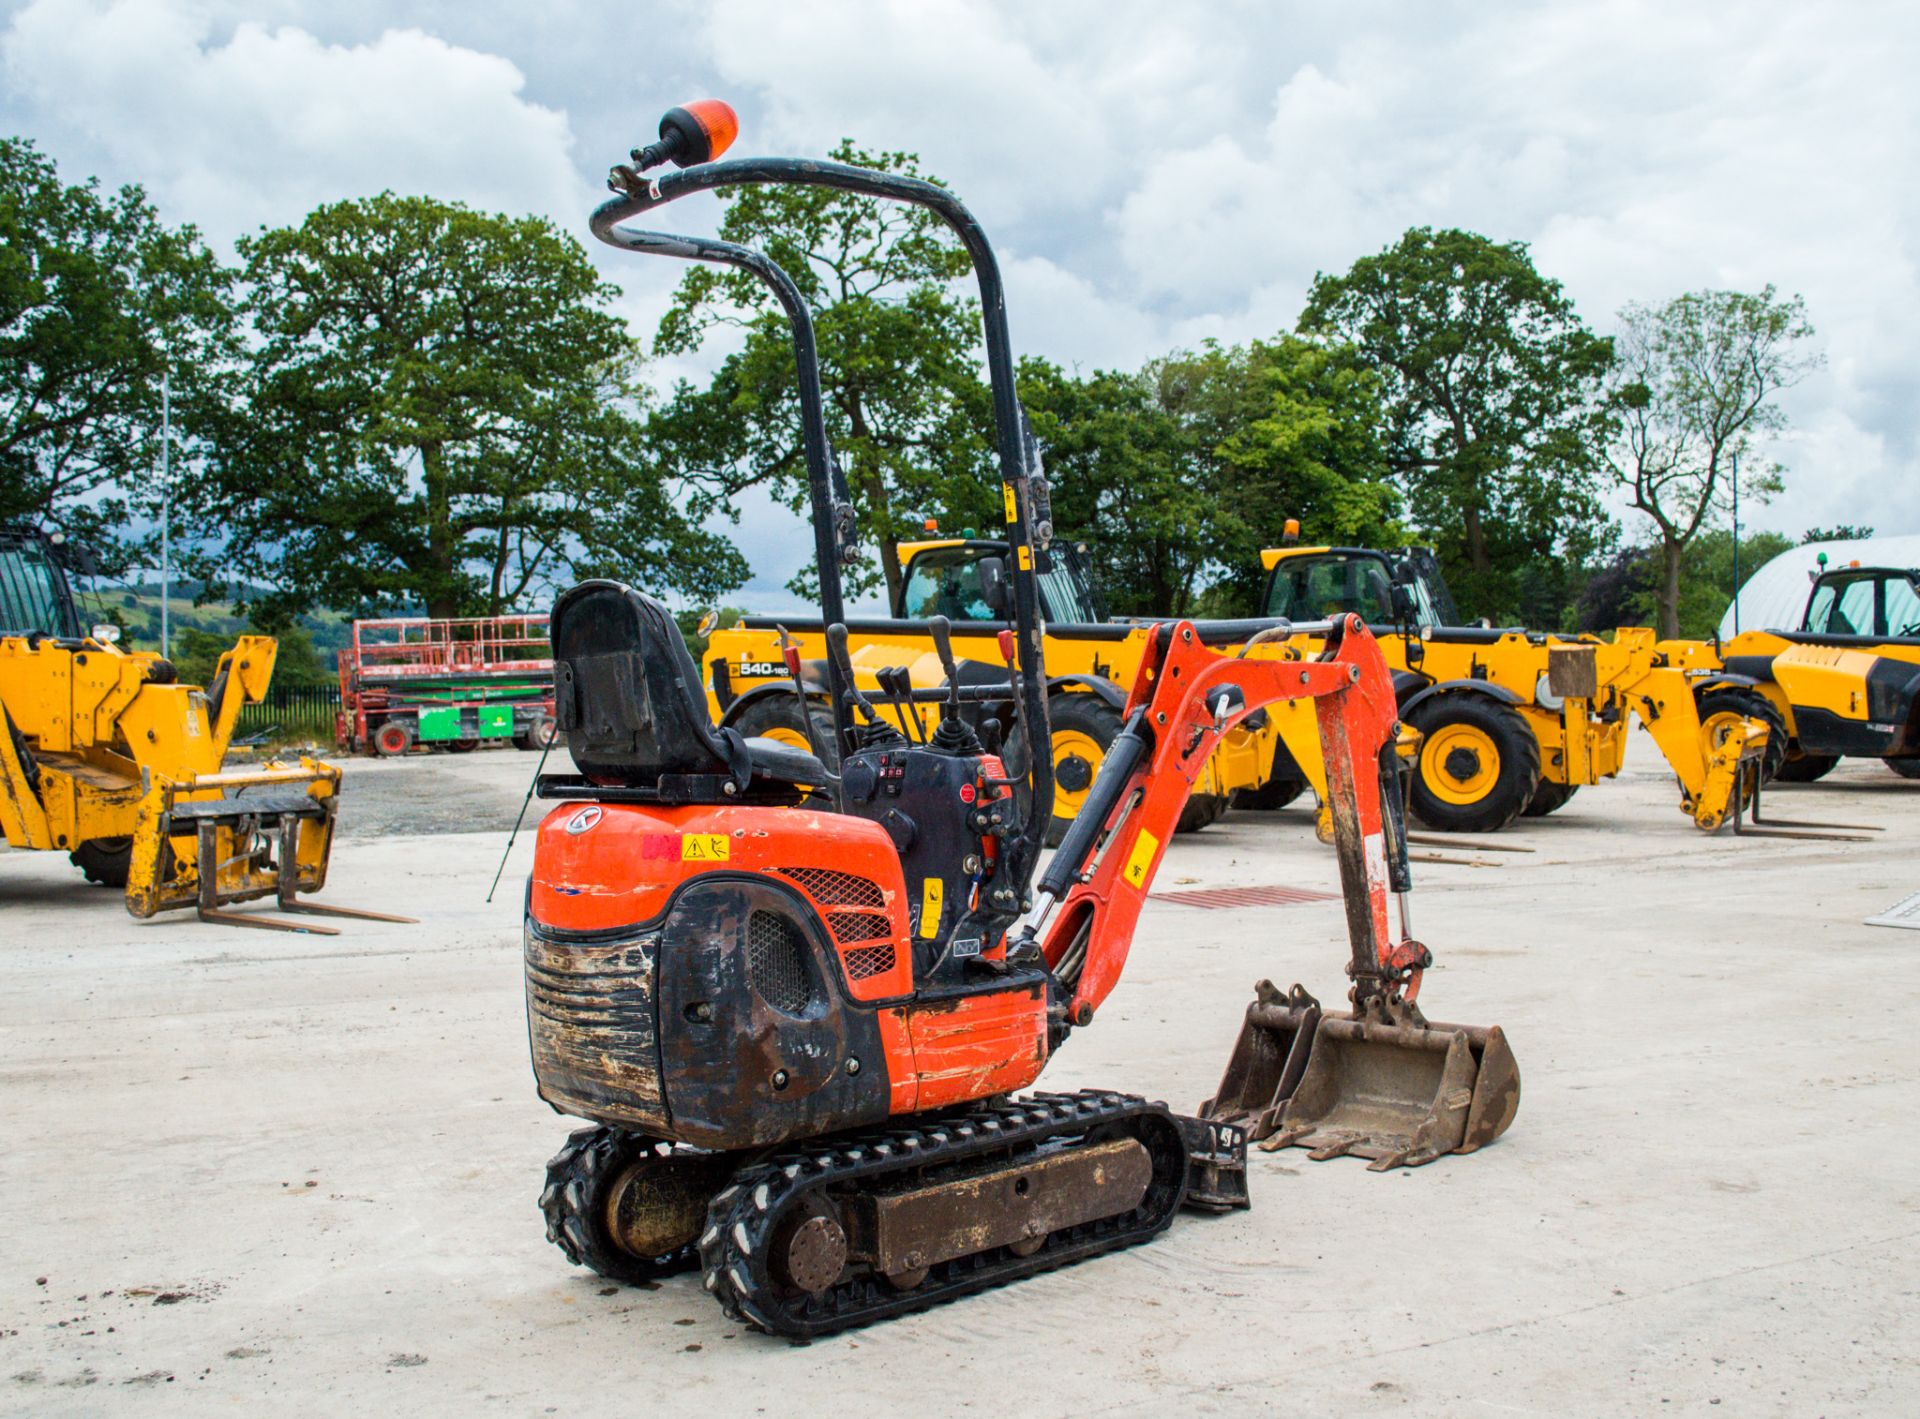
<point>797,1004</point>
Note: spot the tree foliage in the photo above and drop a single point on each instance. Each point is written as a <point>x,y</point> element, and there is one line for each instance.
<point>1840,532</point>
<point>1177,475</point>
<point>98,299</point>
<point>1491,382</point>
<point>1694,387</point>
<point>441,411</point>
<point>906,411</point>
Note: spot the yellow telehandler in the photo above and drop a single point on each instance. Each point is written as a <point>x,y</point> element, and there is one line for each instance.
<point>1844,683</point>
<point>104,755</point>
<point>1513,722</point>
<point>1091,661</point>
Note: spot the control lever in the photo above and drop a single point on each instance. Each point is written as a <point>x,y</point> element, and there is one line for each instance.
<point>897,681</point>
<point>790,653</point>
<point>837,648</point>
<point>954,735</point>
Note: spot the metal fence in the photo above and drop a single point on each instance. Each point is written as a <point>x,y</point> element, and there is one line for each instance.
<point>293,712</point>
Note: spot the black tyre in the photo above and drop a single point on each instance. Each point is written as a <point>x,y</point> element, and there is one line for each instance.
<point>777,717</point>
<point>580,1179</point>
<point>1275,793</point>
<point>540,733</point>
<point>461,746</point>
<point>104,860</point>
<point>1202,810</point>
<point>1479,763</point>
<point>1906,768</point>
<point>1805,768</point>
<point>1083,728</point>
<point>393,739</point>
<point>1549,798</point>
<point>1730,700</point>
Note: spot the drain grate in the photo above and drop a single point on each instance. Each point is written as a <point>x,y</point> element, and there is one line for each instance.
<point>1223,898</point>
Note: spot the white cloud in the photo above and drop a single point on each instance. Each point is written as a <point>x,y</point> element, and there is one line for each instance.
<point>1152,175</point>
<point>261,126</point>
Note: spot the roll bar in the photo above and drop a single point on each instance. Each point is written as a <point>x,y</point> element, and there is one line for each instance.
<point>644,193</point>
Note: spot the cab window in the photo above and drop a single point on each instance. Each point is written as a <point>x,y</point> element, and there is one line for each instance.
<point>1316,588</point>
<point>31,590</point>
<point>1842,607</point>
<point>1903,607</point>
<point>946,582</point>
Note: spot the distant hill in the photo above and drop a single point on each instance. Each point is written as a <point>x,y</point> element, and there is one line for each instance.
<point>135,607</point>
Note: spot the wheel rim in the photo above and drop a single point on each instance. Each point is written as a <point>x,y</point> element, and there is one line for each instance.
<point>390,740</point>
<point>784,734</point>
<point>1716,729</point>
<point>1076,753</point>
<point>1459,764</point>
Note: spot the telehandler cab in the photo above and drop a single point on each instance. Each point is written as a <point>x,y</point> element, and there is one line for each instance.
<point>796,1001</point>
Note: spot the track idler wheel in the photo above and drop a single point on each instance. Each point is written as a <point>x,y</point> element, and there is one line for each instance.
<point>626,1207</point>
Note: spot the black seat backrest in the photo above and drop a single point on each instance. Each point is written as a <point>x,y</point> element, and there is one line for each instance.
<point>627,693</point>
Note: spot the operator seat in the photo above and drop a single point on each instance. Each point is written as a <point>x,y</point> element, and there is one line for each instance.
<point>627,694</point>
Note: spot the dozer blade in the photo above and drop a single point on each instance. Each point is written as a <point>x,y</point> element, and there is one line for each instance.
<point>1400,1092</point>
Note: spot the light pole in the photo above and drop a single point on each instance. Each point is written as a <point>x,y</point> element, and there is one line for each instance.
<point>166,511</point>
<point>1736,544</point>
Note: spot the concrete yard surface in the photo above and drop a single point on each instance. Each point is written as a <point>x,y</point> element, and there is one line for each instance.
<point>247,1172</point>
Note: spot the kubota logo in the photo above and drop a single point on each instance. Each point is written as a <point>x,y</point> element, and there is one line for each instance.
<point>583,820</point>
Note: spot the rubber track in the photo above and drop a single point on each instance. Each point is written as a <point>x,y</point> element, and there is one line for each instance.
<point>743,1217</point>
<point>577,1177</point>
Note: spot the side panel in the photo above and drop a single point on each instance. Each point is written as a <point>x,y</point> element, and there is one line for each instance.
<point>592,1029</point>
<point>978,1045</point>
<point>598,866</point>
<point>758,1043</point>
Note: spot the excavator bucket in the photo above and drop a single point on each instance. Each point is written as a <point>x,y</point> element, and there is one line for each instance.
<point>1268,1061</point>
<point>1399,1094</point>
<point>1381,1081</point>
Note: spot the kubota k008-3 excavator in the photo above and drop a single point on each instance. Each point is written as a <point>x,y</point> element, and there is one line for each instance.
<point>796,1003</point>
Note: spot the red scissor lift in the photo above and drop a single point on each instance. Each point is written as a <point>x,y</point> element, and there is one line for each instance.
<point>450,684</point>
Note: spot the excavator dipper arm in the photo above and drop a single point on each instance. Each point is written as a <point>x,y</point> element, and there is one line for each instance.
<point>1185,696</point>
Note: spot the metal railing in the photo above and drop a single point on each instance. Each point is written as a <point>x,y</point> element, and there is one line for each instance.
<point>292,712</point>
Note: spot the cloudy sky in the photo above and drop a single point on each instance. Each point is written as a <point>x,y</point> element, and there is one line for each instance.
<point>1152,174</point>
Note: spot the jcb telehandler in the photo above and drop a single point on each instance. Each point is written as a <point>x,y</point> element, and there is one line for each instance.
<point>106,756</point>
<point>1512,721</point>
<point>1845,683</point>
<point>1091,660</point>
<point>796,1002</point>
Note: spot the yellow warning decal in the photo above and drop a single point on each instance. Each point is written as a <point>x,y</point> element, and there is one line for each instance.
<point>1140,860</point>
<point>932,891</point>
<point>1026,559</point>
<point>1013,511</point>
<point>705,847</point>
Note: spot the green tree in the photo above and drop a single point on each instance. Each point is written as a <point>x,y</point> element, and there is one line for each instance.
<point>1491,382</point>
<point>98,299</point>
<point>442,410</point>
<point>1123,482</point>
<point>1840,532</point>
<point>1695,386</point>
<point>906,410</point>
<point>1179,474</point>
